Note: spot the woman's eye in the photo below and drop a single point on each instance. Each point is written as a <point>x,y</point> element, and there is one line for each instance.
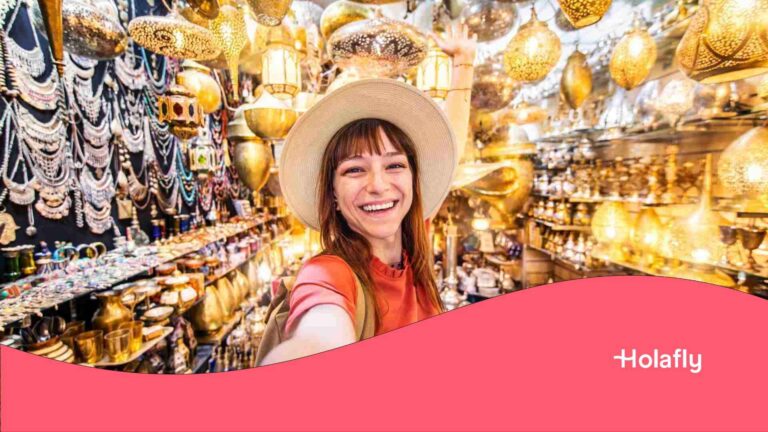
<point>397,165</point>
<point>352,170</point>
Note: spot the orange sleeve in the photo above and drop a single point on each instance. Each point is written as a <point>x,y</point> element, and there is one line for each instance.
<point>324,279</point>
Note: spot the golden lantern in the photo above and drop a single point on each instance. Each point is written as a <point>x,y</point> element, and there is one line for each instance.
<point>202,155</point>
<point>676,98</point>
<point>230,34</point>
<point>611,226</point>
<point>433,76</point>
<point>269,118</point>
<point>725,41</point>
<point>280,65</point>
<point>197,79</point>
<point>647,236</point>
<point>697,239</point>
<point>269,12</point>
<point>252,156</point>
<point>340,13</point>
<point>576,82</point>
<point>492,88</point>
<point>633,58</point>
<point>743,168</point>
<point>533,52</point>
<point>180,110</point>
<point>583,13</point>
<point>173,36</point>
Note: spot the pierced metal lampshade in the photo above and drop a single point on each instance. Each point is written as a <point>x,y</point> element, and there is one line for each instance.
<point>197,79</point>
<point>269,12</point>
<point>489,19</point>
<point>633,58</point>
<point>173,36</point>
<point>533,52</point>
<point>576,82</point>
<point>229,32</point>
<point>583,13</point>
<point>611,223</point>
<point>380,46</point>
<point>676,98</point>
<point>647,233</point>
<point>727,40</point>
<point>340,13</point>
<point>743,166</point>
<point>492,88</point>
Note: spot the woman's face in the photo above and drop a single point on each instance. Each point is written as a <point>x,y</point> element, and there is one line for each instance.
<point>375,192</point>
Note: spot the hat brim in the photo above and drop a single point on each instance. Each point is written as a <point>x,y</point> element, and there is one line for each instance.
<point>401,104</point>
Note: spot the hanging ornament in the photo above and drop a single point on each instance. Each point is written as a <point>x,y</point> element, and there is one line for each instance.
<point>281,67</point>
<point>533,52</point>
<point>583,13</point>
<point>8,228</point>
<point>269,118</point>
<point>676,99</point>
<point>173,36</point>
<point>180,110</point>
<point>269,12</point>
<point>202,155</point>
<point>727,40</point>
<point>54,26</point>
<point>633,58</point>
<point>576,82</point>
<point>229,32</point>
<point>197,79</point>
<point>489,19</point>
<point>340,13</point>
<point>433,75</point>
<point>252,156</point>
<point>492,88</point>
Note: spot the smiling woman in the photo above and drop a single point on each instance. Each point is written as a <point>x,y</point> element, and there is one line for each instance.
<point>367,166</point>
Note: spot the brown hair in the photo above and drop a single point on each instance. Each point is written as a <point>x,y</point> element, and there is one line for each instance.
<point>358,137</point>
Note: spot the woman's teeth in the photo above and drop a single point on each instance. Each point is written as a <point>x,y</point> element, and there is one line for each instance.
<point>379,207</point>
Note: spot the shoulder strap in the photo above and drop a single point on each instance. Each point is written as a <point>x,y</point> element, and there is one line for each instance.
<point>365,311</point>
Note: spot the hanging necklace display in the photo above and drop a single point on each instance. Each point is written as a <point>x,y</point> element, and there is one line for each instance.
<point>90,101</point>
<point>7,224</point>
<point>188,183</point>
<point>26,66</point>
<point>18,193</point>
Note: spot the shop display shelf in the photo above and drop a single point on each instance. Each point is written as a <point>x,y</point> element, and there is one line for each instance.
<point>540,249</point>
<point>558,227</point>
<point>146,346</point>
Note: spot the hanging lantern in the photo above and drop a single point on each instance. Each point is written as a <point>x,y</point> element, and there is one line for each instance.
<point>633,58</point>
<point>340,13</point>
<point>743,168</point>
<point>180,110</point>
<point>280,65</point>
<point>269,118</point>
<point>202,155</point>
<point>576,82</point>
<point>583,13</point>
<point>725,41</point>
<point>208,9</point>
<point>269,12</point>
<point>489,19</point>
<point>197,79</point>
<point>229,32</point>
<point>173,36</point>
<point>676,98</point>
<point>433,76</point>
<point>533,52</point>
<point>492,88</point>
<point>611,227</point>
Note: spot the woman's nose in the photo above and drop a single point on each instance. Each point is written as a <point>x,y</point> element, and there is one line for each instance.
<point>377,181</point>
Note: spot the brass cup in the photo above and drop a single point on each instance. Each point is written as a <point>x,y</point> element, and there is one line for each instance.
<point>73,329</point>
<point>90,345</point>
<point>136,328</point>
<point>118,344</point>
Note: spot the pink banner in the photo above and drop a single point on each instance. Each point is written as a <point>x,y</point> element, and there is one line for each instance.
<point>548,358</point>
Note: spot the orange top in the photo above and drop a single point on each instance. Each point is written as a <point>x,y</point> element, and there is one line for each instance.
<point>327,279</point>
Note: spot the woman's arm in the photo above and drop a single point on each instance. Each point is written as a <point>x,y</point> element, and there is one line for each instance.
<point>459,45</point>
<point>322,328</point>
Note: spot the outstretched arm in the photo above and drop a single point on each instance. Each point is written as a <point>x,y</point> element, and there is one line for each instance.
<point>458,44</point>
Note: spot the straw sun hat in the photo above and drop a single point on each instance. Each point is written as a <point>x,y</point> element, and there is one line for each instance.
<point>400,104</point>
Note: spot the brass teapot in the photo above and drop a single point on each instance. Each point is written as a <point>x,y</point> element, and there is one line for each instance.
<point>111,312</point>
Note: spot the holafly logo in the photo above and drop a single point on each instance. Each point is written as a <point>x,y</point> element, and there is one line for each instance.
<point>680,359</point>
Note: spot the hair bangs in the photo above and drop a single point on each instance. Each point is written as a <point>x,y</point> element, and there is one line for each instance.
<point>365,137</point>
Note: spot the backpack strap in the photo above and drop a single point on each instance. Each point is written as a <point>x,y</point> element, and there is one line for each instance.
<point>365,312</point>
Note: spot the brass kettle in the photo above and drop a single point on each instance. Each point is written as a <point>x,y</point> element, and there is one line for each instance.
<point>111,312</point>
<point>208,315</point>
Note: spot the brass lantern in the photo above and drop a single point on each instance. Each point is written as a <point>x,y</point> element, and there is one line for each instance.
<point>252,156</point>
<point>633,58</point>
<point>197,79</point>
<point>340,13</point>
<point>583,13</point>
<point>180,110</point>
<point>533,52</point>
<point>269,118</point>
<point>433,75</point>
<point>611,226</point>
<point>576,82</point>
<point>202,155</point>
<point>230,34</point>
<point>492,89</point>
<point>173,36</point>
<point>269,12</point>
<point>647,236</point>
<point>280,65</point>
<point>743,168</point>
<point>726,41</point>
